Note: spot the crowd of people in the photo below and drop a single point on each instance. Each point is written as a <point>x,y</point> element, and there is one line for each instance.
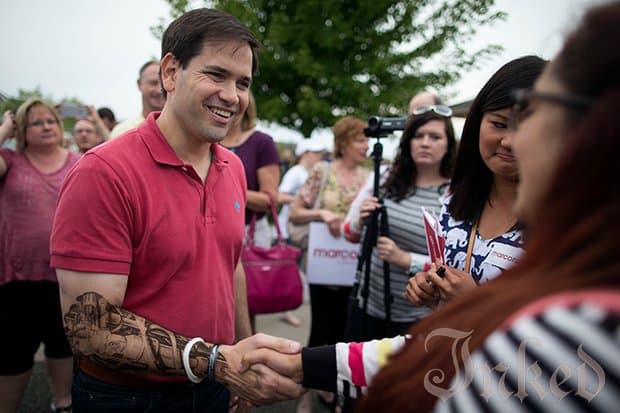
<point>121,249</point>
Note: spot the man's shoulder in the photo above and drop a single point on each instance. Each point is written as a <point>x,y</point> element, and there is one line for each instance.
<point>128,149</point>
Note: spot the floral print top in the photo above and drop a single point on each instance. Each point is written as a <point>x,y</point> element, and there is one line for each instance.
<point>334,197</point>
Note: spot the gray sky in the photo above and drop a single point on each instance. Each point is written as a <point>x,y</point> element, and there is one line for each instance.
<point>93,49</point>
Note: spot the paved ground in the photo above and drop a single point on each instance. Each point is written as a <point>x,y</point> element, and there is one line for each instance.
<point>37,398</point>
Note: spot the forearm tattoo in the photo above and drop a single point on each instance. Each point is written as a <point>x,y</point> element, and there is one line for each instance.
<point>116,338</point>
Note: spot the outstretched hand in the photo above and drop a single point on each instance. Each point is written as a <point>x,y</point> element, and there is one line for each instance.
<point>289,365</point>
<point>257,384</point>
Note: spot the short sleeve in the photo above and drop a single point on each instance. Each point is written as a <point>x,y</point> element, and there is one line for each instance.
<point>7,154</point>
<point>92,229</point>
<point>268,152</point>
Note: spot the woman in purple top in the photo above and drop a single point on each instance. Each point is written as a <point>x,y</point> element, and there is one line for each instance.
<point>30,178</point>
<point>261,161</point>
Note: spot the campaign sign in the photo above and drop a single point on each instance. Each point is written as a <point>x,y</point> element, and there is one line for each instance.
<point>330,260</point>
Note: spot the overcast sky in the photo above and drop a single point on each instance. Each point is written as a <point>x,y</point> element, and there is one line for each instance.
<point>93,49</point>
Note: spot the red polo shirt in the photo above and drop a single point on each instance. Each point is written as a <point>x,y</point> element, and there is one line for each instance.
<point>132,207</point>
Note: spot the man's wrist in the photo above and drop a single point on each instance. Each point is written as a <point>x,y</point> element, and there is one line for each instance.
<point>220,371</point>
<point>198,362</point>
<point>212,361</point>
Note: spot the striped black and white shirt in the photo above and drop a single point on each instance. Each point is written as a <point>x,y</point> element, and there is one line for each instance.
<point>559,354</point>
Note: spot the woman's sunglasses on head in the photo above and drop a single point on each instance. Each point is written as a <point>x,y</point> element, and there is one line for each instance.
<point>441,110</point>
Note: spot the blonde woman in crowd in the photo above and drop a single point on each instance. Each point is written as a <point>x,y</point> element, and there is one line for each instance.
<point>30,178</point>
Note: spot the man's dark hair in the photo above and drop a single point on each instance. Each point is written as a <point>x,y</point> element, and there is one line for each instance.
<point>106,113</point>
<point>186,36</point>
<point>472,179</point>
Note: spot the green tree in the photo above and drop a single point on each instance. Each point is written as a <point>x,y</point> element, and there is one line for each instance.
<point>322,59</point>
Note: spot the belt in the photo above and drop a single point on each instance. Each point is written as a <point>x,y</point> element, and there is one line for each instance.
<point>124,379</point>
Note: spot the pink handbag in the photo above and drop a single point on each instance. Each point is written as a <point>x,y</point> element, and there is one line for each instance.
<point>272,275</point>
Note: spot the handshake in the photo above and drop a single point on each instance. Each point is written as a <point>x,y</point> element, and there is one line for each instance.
<point>261,369</point>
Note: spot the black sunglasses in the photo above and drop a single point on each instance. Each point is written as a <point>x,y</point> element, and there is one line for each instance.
<point>523,97</point>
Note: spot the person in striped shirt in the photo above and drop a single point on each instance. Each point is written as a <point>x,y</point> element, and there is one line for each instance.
<point>545,336</point>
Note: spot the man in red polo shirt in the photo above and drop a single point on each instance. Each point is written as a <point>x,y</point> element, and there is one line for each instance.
<point>147,238</point>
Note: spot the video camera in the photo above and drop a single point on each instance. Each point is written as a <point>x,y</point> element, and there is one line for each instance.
<point>378,126</point>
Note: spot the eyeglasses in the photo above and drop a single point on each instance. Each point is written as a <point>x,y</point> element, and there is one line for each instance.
<point>523,97</point>
<point>40,123</point>
<point>441,110</point>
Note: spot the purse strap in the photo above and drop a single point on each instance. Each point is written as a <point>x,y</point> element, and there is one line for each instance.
<point>274,214</point>
<point>317,201</point>
<point>470,246</point>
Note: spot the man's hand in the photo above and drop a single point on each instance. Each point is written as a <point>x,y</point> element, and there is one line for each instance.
<point>289,365</point>
<point>258,384</point>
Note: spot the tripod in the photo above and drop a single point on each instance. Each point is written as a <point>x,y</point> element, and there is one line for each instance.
<point>376,224</point>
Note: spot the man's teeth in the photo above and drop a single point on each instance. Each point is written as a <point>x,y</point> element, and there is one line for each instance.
<point>220,112</point>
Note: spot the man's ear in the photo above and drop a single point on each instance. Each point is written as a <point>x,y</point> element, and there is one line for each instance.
<point>169,67</point>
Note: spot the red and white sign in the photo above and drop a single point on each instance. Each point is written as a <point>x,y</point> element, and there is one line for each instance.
<point>331,260</point>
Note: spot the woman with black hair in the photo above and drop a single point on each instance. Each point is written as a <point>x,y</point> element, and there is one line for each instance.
<point>418,177</point>
<point>482,234</point>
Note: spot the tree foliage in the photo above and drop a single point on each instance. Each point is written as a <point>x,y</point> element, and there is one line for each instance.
<point>322,59</point>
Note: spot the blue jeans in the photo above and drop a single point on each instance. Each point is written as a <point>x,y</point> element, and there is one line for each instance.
<point>94,396</point>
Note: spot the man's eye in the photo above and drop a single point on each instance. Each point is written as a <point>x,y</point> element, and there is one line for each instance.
<point>216,75</point>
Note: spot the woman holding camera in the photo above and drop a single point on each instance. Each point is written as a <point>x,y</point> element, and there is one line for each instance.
<point>30,180</point>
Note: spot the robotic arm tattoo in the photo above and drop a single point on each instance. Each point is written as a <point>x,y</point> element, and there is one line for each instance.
<point>121,340</point>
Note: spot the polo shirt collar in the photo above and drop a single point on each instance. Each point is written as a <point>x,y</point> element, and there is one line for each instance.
<point>162,152</point>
